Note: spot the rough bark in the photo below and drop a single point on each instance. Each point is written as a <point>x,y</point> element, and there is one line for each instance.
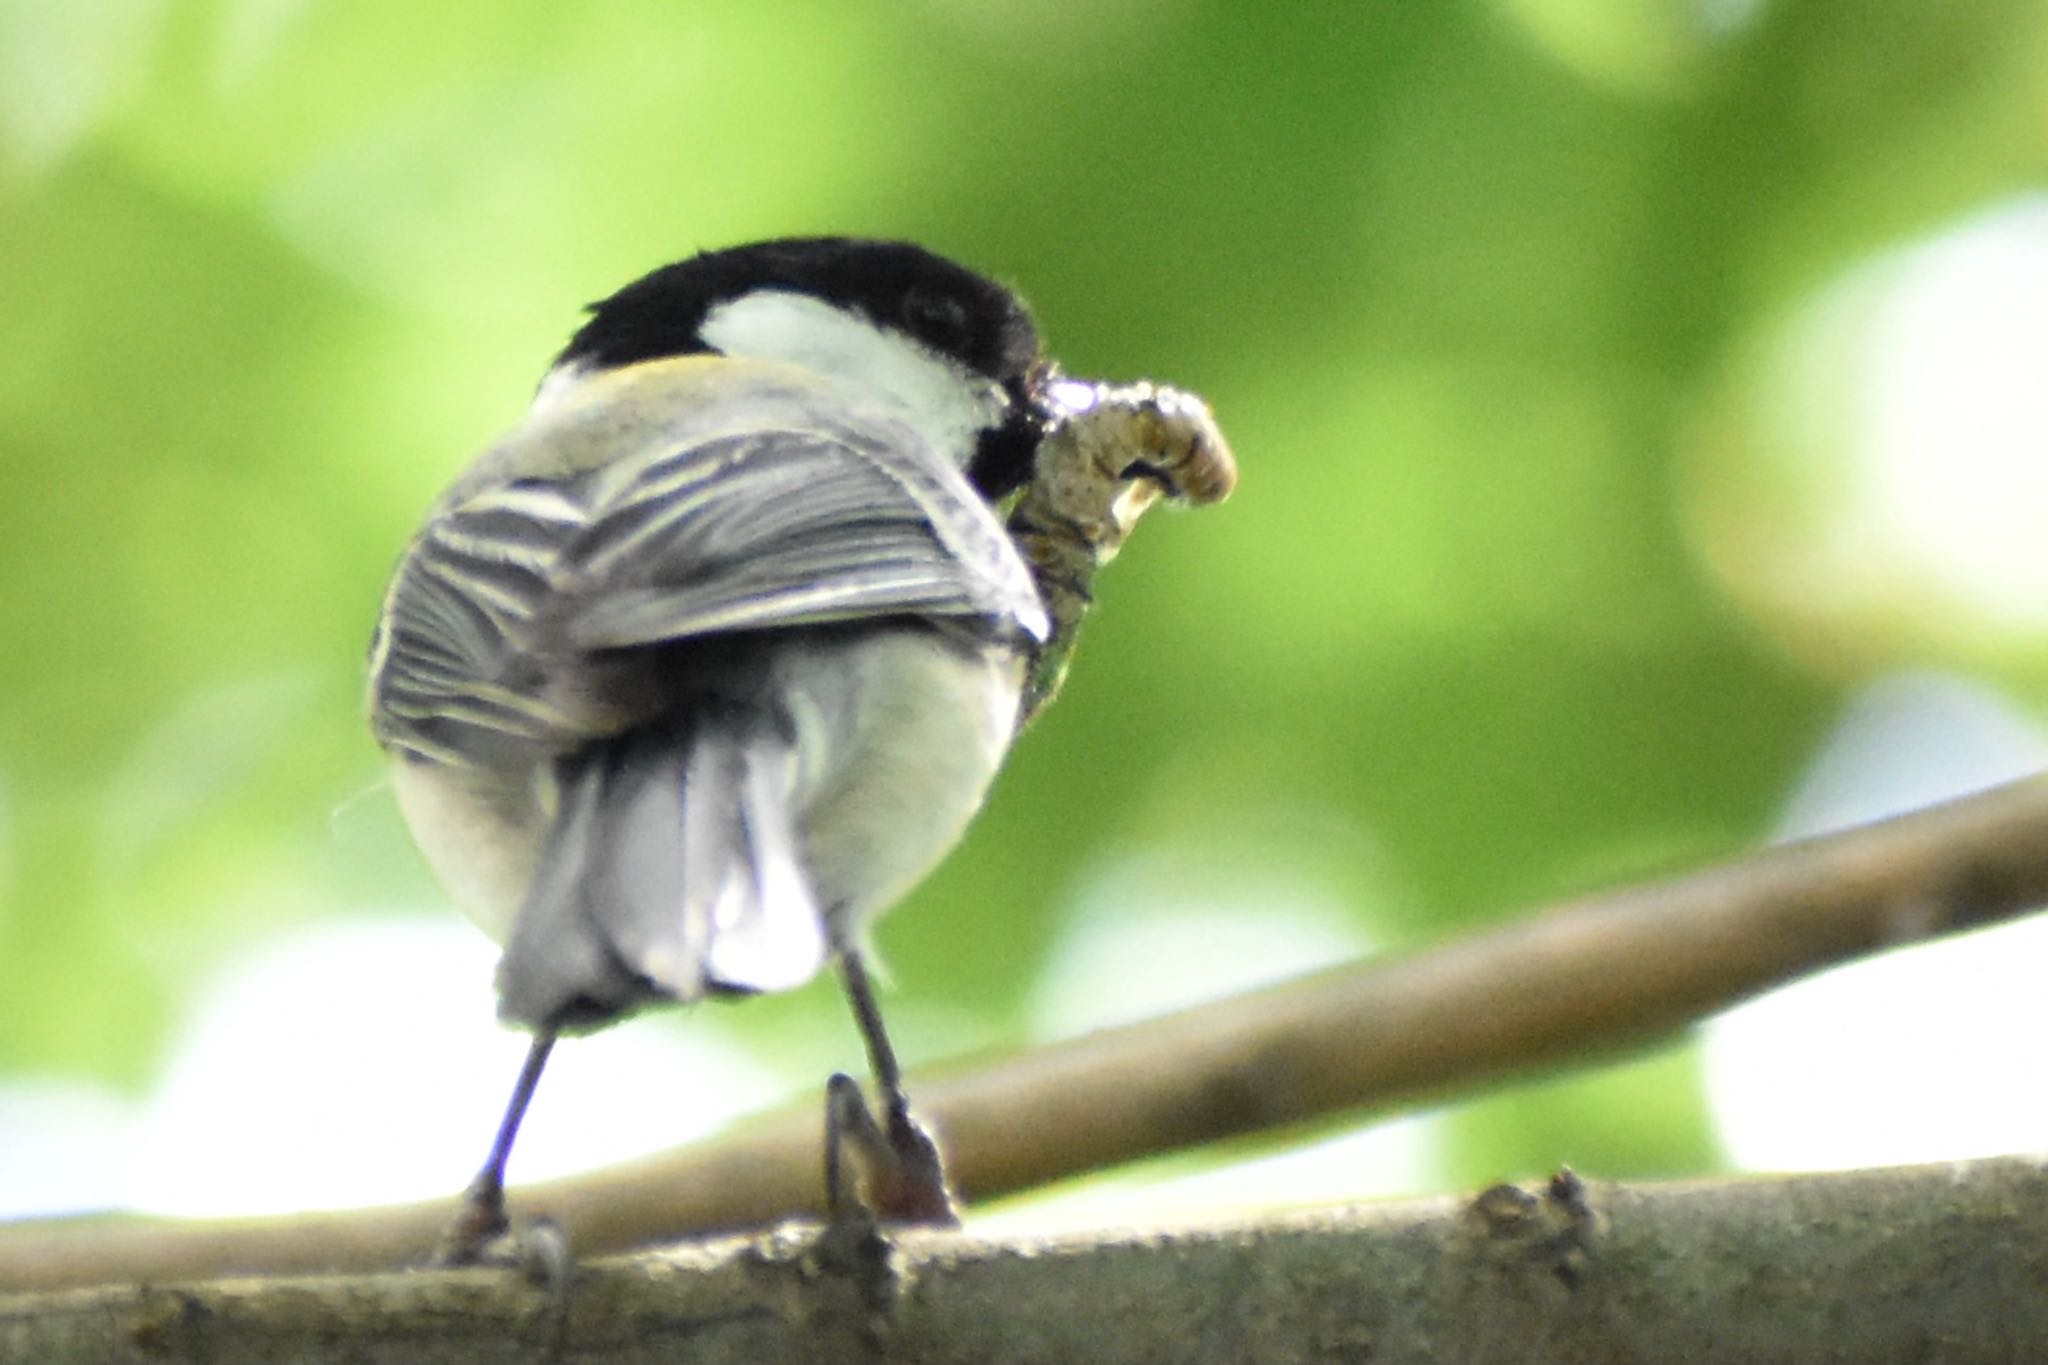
<point>1936,1263</point>
<point>1569,981</point>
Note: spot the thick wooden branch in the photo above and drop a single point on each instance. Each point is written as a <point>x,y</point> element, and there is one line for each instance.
<point>1578,978</point>
<point>1927,1263</point>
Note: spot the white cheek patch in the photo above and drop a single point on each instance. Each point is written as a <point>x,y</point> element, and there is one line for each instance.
<point>557,385</point>
<point>948,402</point>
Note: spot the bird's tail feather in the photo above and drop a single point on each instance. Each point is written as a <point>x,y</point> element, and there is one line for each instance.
<point>670,871</point>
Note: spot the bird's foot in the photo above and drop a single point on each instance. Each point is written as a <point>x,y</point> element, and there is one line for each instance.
<point>483,1234</point>
<point>877,1172</point>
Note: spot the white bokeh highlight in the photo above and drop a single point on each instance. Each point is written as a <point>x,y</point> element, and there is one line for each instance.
<point>1950,416</point>
<point>1931,1053</point>
<point>63,1147</point>
<point>359,1062</point>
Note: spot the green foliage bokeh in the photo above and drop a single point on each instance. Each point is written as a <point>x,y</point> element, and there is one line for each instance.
<point>1456,277</point>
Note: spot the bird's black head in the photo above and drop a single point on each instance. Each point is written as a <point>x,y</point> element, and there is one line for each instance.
<point>966,320</point>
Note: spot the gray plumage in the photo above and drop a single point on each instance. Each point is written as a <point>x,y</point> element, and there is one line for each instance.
<point>693,673</point>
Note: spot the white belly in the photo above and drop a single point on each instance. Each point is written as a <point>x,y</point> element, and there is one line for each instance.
<point>481,836</point>
<point>920,731</point>
<point>898,738</point>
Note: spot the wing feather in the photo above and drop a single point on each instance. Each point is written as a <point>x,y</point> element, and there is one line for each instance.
<point>509,596</point>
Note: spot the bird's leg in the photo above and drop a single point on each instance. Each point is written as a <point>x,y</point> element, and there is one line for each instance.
<point>896,1161</point>
<point>482,1222</point>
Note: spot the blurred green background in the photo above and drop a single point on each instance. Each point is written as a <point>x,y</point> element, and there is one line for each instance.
<point>1543,329</point>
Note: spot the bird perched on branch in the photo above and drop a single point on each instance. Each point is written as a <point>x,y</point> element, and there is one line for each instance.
<point>714,656</point>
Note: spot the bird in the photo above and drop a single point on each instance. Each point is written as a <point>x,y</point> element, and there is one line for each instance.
<point>715,654</point>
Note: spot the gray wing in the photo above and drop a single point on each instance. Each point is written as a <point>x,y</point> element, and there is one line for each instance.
<point>513,623</point>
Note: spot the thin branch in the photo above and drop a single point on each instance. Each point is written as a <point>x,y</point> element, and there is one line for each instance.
<point>1915,1264</point>
<point>1578,978</point>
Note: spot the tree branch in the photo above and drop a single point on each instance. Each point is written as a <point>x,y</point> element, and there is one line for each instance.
<point>1913,1264</point>
<point>1589,975</point>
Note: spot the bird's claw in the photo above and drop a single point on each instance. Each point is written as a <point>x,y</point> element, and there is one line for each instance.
<point>483,1234</point>
<point>891,1172</point>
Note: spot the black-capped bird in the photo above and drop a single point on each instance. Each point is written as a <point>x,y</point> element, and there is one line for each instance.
<point>713,657</point>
